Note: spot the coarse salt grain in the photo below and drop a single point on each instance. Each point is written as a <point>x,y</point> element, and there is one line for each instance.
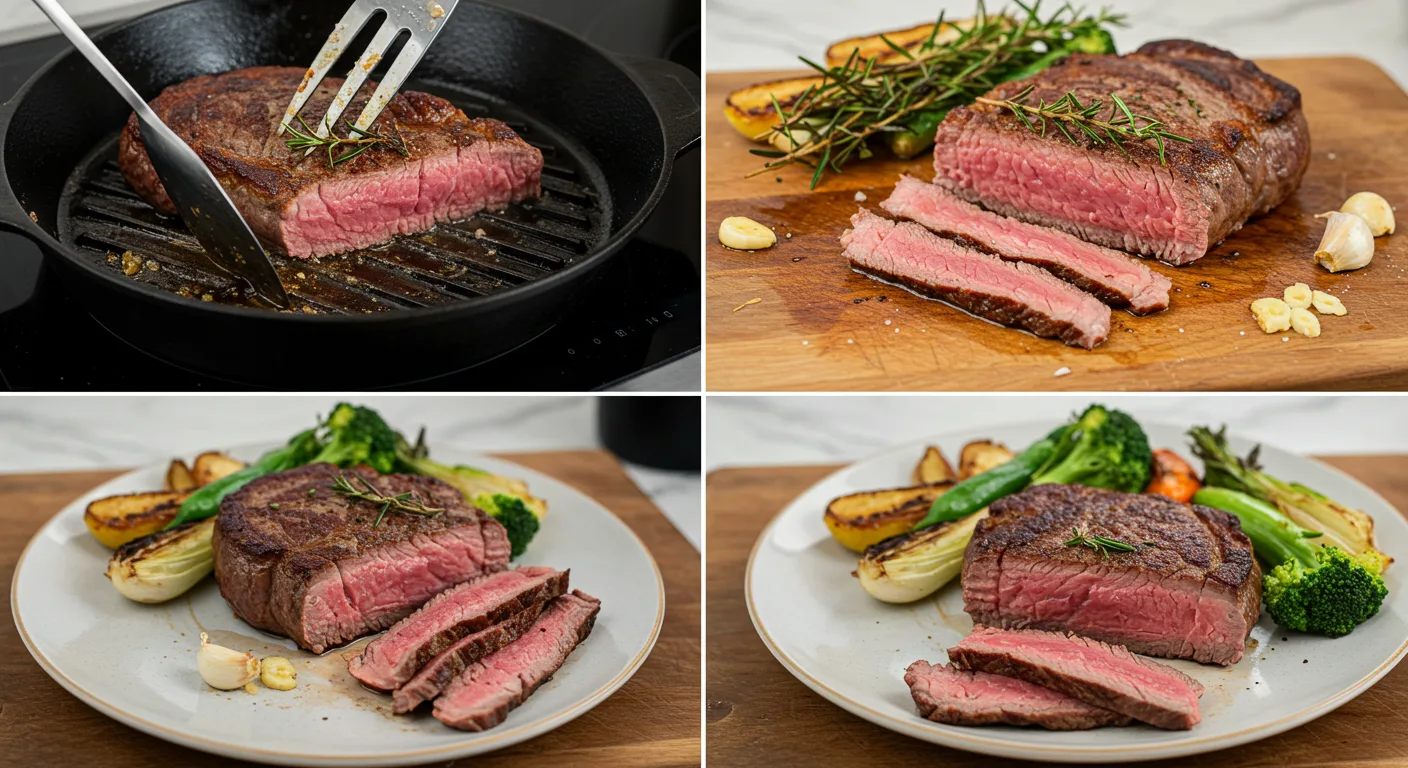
<point>860,197</point>
<point>1062,371</point>
<point>887,322</point>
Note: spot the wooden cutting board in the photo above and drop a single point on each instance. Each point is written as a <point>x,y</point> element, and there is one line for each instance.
<point>652,721</point>
<point>821,326</point>
<point>759,714</point>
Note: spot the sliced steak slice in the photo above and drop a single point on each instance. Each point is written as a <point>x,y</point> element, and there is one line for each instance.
<point>390,660</point>
<point>1099,674</point>
<point>1013,294</point>
<point>483,695</point>
<point>294,557</point>
<point>1251,146</point>
<point>946,694</point>
<point>441,671</point>
<point>456,165</point>
<point>1113,277</point>
<point>1192,589</point>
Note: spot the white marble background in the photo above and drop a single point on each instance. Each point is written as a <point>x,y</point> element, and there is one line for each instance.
<point>49,434</point>
<point>22,19</point>
<point>748,35</point>
<point>761,431</point>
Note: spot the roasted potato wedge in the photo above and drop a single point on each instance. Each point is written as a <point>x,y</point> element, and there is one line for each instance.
<point>908,39</point>
<point>211,466</point>
<point>750,111</point>
<point>116,520</point>
<point>859,520</point>
<point>178,477</point>
<point>979,456</point>
<point>933,469</point>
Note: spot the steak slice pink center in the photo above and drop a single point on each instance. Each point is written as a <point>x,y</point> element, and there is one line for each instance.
<point>1102,675</point>
<point>390,660</point>
<point>946,694</point>
<point>1014,294</point>
<point>1114,277</point>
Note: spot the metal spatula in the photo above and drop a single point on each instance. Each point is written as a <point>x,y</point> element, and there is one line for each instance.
<point>199,198</point>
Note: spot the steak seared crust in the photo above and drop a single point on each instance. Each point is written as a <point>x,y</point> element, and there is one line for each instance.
<point>1191,589</point>
<point>1250,147</point>
<point>1099,674</point>
<point>296,558</point>
<point>946,694</point>
<point>456,166</point>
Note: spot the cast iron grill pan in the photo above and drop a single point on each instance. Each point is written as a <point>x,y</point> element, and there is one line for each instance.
<point>106,221</point>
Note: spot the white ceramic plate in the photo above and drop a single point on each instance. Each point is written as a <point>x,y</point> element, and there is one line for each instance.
<point>136,663</point>
<point>853,650</point>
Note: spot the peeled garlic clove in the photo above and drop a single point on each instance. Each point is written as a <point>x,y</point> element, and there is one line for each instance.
<point>1374,210</point>
<point>1348,243</point>
<point>744,234</point>
<point>1297,296</point>
<point>278,673</point>
<point>1272,315</point>
<point>225,668</point>
<point>1305,323</point>
<point>1326,304</point>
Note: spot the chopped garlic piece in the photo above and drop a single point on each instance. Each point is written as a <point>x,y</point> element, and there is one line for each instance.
<point>744,234</point>
<point>1271,315</point>
<point>1305,323</point>
<point>1298,296</point>
<point>1326,304</point>
<point>278,673</point>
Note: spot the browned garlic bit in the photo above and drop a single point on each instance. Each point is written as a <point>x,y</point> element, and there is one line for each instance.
<point>743,234</point>
<point>278,673</point>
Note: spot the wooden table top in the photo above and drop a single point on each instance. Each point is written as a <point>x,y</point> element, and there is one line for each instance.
<point>759,714</point>
<point>821,326</point>
<point>651,721</point>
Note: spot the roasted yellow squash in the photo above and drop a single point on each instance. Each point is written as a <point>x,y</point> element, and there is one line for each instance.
<point>859,520</point>
<point>933,469</point>
<point>116,520</point>
<point>872,46</point>
<point>750,111</point>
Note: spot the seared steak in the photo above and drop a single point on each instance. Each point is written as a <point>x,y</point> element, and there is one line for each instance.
<point>294,557</point>
<point>1014,294</point>
<point>954,696</point>
<point>482,696</point>
<point>1113,277</point>
<point>1192,589</point>
<point>1102,675</point>
<point>393,658</point>
<point>1251,145</point>
<point>456,166</point>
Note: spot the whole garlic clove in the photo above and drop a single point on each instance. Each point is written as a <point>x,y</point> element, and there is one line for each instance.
<point>1373,209</point>
<point>1348,243</point>
<point>225,668</point>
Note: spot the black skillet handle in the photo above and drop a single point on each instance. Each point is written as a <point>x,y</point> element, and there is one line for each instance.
<point>674,91</point>
<point>12,214</point>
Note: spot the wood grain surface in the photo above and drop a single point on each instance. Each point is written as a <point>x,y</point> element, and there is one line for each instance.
<point>759,714</point>
<point>821,326</point>
<point>651,721</point>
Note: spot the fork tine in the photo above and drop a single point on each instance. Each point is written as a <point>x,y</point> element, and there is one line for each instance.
<point>342,34</point>
<point>364,66</point>
<point>400,69</point>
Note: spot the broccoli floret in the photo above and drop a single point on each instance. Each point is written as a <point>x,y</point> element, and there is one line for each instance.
<point>354,435</point>
<point>1107,449</point>
<point>1341,593</point>
<point>517,519</point>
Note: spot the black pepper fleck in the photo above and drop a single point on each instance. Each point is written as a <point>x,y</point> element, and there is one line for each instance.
<point>796,259</point>
<point>858,301</point>
<point>1305,661</point>
<point>881,298</point>
<point>1204,284</point>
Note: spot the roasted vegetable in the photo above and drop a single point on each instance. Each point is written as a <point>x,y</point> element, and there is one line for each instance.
<point>751,111</point>
<point>116,520</point>
<point>980,490</point>
<point>518,521</point>
<point>1106,449</point>
<point>933,469</point>
<point>206,501</point>
<point>915,565</point>
<point>165,564</point>
<point>881,46</point>
<point>917,135</point>
<point>470,481</point>
<point>178,477</point>
<point>1345,527</point>
<point>1173,477</point>
<point>859,520</point>
<point>211,466</point>
<point>1275,538</point>
<point>1329,597</point>
<point>979,456</point>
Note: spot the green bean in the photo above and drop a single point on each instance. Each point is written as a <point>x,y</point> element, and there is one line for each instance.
<point>1275,538</point>
<point>205,502</point>
<point>983,489</point>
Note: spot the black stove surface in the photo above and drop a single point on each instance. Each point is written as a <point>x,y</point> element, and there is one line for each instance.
<point>646,316</point>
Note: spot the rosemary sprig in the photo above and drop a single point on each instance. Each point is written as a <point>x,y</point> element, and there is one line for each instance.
<point>363,140</point>
<point>832,122</point>
<point>1100,544</point>
<point>1122,125</point>
<point>403,502</point>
